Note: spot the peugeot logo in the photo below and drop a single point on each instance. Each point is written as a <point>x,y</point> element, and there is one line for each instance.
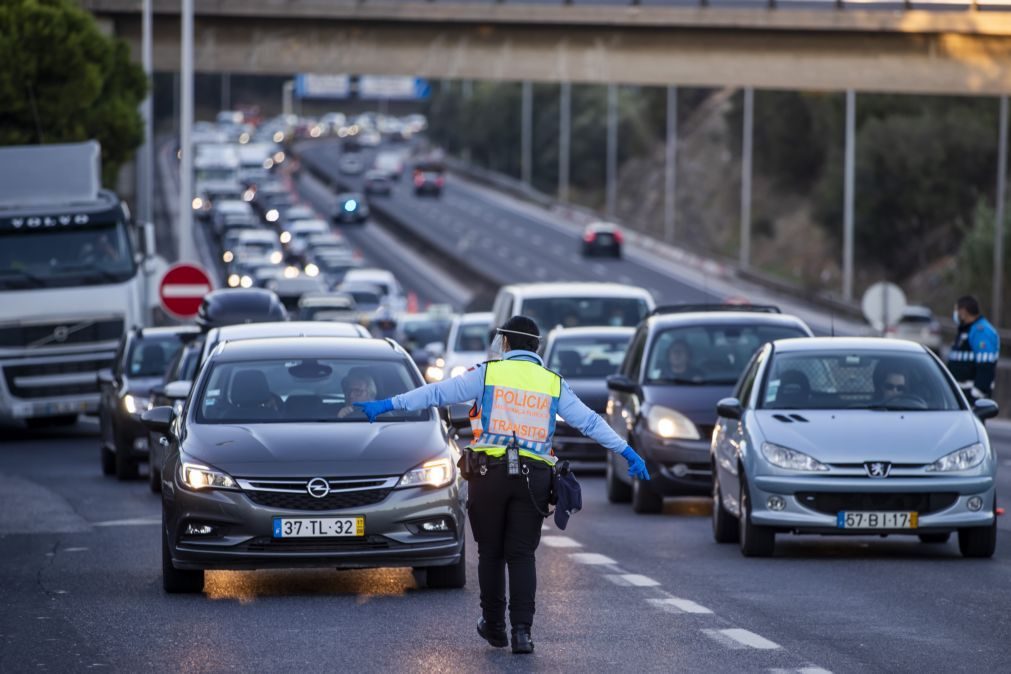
<point>318,487</point>
<point>877,468</point>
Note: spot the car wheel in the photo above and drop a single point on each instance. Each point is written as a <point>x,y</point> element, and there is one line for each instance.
<point>755,541</point>
<point>126,464</point>
<point>452,577</point>
<point>617,491</point>
<point>108,461</point>
<point>645,500</point>
<point>726,527</point>
<point>177,581</point>
<point>935,538</point>
<point>978,542</point>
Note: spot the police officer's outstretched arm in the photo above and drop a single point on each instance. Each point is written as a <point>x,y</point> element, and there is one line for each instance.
<point>468,386</point>
<point>985,342</point>
<point>589,423</point>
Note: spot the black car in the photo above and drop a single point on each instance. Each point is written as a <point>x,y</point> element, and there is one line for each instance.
<point>602,238</point>
<point>125,389</point>
<point>585,357</point>
<point>350,207</point>
<point>680,362</point>
<point>172,392</point>
<point>269,465</point>
<point>229,306</point>
<point>429,178</point>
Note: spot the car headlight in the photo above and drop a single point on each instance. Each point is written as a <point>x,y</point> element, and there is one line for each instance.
<point>790,459</point>
<point>434,373</point>
<point>198,203</point>
<point>668,423</point>
<point>434,473</point>
<point>277,257</point>
<point>960,459</point>
<point>457,371</point>
<point>285,237</point>
<point>228,256</point>
<point>233,280</point>
<point>136,404</point>
<point>196,476</point>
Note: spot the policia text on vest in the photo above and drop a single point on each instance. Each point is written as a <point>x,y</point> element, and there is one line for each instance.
<point>515,395</point>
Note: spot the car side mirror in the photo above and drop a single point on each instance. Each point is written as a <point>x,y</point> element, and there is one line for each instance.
<point>158,419</point>
<point>621,383</point>
<point>104,376</point>
<point>729,408</point>
<point>984,409</point>
<point>178,390</point>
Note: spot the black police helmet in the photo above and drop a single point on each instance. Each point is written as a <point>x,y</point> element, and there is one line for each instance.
<point>522,333</point>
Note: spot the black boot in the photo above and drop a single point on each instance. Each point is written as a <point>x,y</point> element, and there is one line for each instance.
<point>494,634</point>
<point>522,643</point>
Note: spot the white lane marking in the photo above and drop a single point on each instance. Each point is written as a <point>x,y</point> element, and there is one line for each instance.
<point>132,522</point>
<point>560,542</point>
<point>591,558</point>
<point>185,290</point>
<point>545,527</point>
<point>631,580</point>
<point>677,605</point>
<point>74,549</point>
<point>736,637</point>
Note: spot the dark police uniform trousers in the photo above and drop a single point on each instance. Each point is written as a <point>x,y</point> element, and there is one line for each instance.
<point>507,528</point>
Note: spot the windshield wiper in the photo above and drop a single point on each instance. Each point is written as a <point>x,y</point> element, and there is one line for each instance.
<point>104,273</point>
<point>34,279</point>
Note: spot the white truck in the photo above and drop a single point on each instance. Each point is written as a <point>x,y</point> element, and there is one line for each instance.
<point>70,281</point>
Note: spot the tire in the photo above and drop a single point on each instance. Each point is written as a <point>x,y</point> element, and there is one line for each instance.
<point>452,577</point>
<point>177,581</point>
<point>126,464</point>
<point>978,542</point>
<point>645,500</point>
<point>935,538</point>
<point>108,461</point>
<point>617,491</point>
<point>755,541</point>
<point>726,527</point>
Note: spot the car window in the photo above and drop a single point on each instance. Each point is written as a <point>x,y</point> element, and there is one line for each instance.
<point>472,337</point>
<point>709,354</point>
<point>190,363</point>
<point>747,381</point>
<point>417,334</point>
<point>150,355</point>
<point>587,357</point>
<point>862,380</point>
<point>633,358</point>
<point>302,390</point>
<point>572,312</point>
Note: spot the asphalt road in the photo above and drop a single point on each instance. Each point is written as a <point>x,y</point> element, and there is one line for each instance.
<point>80,571</point>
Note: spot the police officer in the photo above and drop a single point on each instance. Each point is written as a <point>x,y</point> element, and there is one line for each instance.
<point>973,357</point>
<point>516,401</point>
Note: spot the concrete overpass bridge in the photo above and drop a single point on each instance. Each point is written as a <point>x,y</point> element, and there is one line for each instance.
<point>956,47</point>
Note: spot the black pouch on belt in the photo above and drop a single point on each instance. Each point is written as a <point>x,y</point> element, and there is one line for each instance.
<point>467,464</point>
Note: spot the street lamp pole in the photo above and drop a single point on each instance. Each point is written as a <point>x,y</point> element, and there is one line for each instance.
<point>187,251</point>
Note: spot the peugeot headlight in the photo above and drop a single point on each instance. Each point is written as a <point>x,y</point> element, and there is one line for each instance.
<point>195,476</point>
<point>668,423</point>
<point>790,459</point>
<point>960,459</point>
<point>136,404</point>
<point>434,473</point>
<point>434,373</point>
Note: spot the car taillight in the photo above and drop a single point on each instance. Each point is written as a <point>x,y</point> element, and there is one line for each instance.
<point>617,236</point>
<point>440,181</point>
<point>589,237</point>
<point>419,179</point>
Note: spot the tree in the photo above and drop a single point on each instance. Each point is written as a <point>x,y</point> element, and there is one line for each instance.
<point>64,81</point>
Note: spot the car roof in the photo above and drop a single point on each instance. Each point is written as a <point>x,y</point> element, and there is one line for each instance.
<point>476,317</point>
<point>917,310</point>
<point>724,318</point>
<point>369,272</point>
<point>309,347</point>
<point>577,289</point>
<point>287,329</point>
<point>591,331</point>
<point>309,224</point>
<point>812,344</point>
<point>163,330</point>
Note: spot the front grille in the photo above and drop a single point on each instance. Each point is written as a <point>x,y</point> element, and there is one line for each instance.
<point>61,333</point>
<point>831,503</point>
<point>303,501</point>
<point>12,372</point>
<point>268,544</point>
<point>705,432</point>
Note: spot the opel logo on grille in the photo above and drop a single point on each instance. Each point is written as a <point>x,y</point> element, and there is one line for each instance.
<point>61,333</point>
<point>318,487</point>
<point>877,468</point>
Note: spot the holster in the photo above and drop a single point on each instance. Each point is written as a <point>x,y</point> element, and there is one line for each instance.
<point>471,463</point>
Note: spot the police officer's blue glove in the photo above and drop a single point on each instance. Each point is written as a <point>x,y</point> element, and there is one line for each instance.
<point>636,466</point>
<point>373,408</point>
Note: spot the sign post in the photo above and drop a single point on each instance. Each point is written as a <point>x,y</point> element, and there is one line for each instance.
<point>182,289</point>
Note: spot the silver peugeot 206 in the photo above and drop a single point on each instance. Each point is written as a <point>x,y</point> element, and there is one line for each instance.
<point>855,436</point>
<point>270,465</point>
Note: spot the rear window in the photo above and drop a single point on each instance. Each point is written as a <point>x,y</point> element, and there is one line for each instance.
<point>587,357</point>
<point>709,354</point>
<point>297,390</point>
<point>573,312</point>
<point>472,337</point>
<point>418,333</point>
<point>150,355</point>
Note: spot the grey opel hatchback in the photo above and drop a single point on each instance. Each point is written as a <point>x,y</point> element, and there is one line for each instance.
<point>271,466</point>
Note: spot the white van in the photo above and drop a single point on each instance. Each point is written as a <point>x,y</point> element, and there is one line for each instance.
<point>572,305</point>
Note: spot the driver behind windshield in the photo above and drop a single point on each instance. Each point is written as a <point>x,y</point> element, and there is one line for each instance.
<point>358,386</point>
<point>890,382</point>
<point>679,357</point>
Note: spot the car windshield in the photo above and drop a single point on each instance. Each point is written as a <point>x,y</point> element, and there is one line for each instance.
<point>869,380</point>
<point>365,297</point>
<point>151,355</point>
<point>572,312</point>
<point>709,355</point>
<point>65,257</point>
<point>417,333</point>
<point>587,357</point>
<point>472,337</point>
<point>302,390</point>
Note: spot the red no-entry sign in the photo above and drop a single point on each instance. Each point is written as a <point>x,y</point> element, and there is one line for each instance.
<point>182,289</point>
